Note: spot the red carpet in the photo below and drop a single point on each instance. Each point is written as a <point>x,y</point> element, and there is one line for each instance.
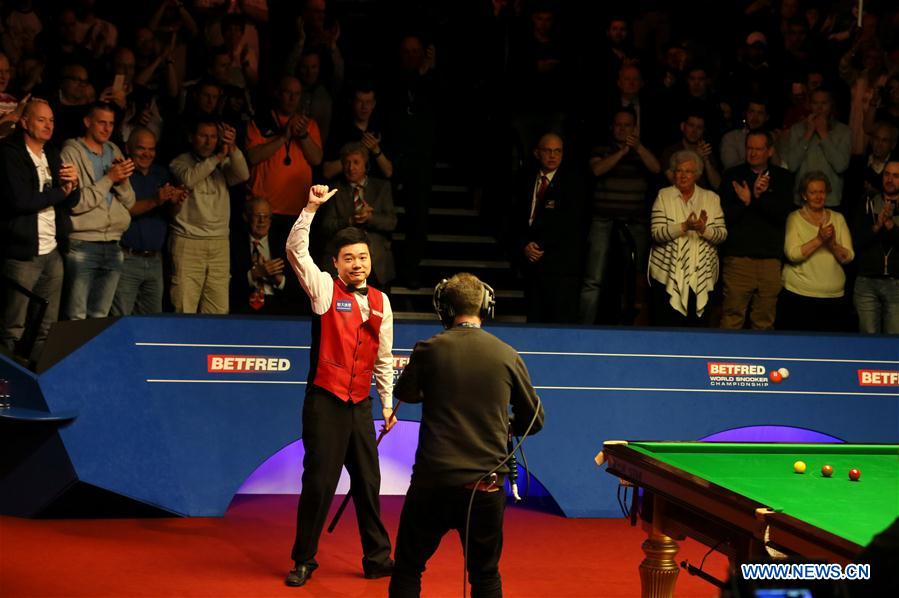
<point>246,554</point>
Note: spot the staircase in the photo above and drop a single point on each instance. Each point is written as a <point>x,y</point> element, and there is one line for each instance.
<point>458,241</point>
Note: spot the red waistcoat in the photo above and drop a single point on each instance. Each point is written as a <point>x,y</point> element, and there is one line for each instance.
<point>347,346</point>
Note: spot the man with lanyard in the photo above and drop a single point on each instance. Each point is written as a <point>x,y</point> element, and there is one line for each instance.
<point>352,338</point>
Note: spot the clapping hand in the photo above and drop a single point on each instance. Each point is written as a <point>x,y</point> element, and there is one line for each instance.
<point>68,176</point>
<point>362,216</point>
<point>228,137</point>
<point>371,142</point>
<point>742,191</point>
<point>121,169</point>
<point>299,126</point>
<point>696,223</point>
<point>885,218</point>
<point>761,184</point>
<point>826,233</point>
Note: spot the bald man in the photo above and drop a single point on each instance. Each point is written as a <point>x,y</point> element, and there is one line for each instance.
<point>38,190</point>
<point>140,286</point>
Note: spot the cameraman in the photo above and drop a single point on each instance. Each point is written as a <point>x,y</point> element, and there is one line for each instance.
<point>466,379</point>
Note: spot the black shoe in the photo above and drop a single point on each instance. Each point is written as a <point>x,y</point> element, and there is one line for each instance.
<point>299,575</point>
<point>379,571</point>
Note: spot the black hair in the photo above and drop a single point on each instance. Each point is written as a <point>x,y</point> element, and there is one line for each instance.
<point>350,235</point>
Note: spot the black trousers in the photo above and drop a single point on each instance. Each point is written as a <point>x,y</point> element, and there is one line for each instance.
<point>428,514</point>
<point>338,433</point>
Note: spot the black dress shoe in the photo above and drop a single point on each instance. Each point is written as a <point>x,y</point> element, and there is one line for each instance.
<point>299,575</point>
<point>378,571</point>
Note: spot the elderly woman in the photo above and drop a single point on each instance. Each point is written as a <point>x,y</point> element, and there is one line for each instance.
<point>365,202</point>
<point>687,223</point>
<point>817,244</point>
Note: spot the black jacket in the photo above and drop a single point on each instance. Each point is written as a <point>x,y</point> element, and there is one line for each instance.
<point>757,230</point>
<point>466,379</point>
<point>21,199</point>
<point>559,227</point>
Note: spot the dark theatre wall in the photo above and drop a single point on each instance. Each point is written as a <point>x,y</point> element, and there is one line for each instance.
<point>177,412</point>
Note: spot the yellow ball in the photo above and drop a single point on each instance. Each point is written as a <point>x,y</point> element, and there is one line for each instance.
<point>799,466</point>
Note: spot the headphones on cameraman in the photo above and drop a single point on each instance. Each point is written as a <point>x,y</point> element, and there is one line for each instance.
<point>447,313</point>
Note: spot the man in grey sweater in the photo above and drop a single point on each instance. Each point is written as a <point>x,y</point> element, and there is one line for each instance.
<point>94,260</point>
<point>199,243</point>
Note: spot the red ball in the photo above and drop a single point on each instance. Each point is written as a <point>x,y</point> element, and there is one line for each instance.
<point>854,475</point>
<point>827,471</point>
<point>775,376</point>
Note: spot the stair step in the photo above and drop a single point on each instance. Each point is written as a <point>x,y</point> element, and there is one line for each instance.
<point>477,264</point>
<point>440,238</point>
<point>444,211</point>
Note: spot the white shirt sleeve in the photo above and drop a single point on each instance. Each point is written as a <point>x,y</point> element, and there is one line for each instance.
<point>317,284</point>
<point>384,361</point>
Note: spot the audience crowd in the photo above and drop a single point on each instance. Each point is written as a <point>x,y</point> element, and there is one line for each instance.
<point>727,164</point>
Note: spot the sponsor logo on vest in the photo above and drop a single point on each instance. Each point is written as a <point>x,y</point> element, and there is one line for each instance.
<point>238,364</point>
<point>344,305</point>
<point>878,378</point>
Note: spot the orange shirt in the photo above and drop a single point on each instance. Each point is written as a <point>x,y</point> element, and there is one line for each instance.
<point>285,186</point>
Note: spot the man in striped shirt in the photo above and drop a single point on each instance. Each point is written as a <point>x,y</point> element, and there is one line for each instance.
<point>623,170</point>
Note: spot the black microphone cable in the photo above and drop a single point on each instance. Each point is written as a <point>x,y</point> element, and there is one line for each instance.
<point>490,473</point>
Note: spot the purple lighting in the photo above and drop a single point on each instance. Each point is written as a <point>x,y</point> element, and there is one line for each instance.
<point>770,434</point>
<point>280,473</point>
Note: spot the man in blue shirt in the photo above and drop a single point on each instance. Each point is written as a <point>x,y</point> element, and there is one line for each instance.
<point>141,282</point>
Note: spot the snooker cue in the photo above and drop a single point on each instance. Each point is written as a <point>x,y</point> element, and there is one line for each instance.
<point>346,499</point>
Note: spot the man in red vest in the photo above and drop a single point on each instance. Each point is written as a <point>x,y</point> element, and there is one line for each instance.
<point>352,338</point>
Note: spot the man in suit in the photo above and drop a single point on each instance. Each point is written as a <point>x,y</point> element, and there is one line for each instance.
<point>367,203</point>
<point>258,281</point>
<point>548,234</point>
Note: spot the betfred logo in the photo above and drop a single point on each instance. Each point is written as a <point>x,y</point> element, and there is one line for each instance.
<point>735,369</point>
<point>399,364</point>
<point>241,364</point>
<point>878,378</point>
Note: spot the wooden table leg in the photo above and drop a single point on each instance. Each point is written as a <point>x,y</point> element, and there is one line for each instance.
<point>658,571</point>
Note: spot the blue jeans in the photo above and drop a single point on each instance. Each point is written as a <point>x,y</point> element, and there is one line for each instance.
<point>92,274</point>
<point>43,276</point>
<point>598,242</point>
<point>877,303</point>
<point>140,287</point>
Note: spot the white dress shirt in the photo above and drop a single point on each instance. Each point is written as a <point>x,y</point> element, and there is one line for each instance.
<point>320,288</point>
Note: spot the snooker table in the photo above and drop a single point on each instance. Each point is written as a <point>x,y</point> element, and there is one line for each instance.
<point>745,500</point>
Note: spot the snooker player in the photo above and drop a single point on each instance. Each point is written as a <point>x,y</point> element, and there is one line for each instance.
<point>352,337</point>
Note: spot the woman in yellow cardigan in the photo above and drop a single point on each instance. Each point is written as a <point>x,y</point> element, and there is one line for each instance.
<point>817,245</point>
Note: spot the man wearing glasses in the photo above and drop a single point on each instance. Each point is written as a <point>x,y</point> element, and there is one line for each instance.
<point>258,282</point>
<point>548,234</point>
<point>75,93</point>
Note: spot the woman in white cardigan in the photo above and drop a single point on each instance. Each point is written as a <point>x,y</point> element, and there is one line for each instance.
<point>687,225</point>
